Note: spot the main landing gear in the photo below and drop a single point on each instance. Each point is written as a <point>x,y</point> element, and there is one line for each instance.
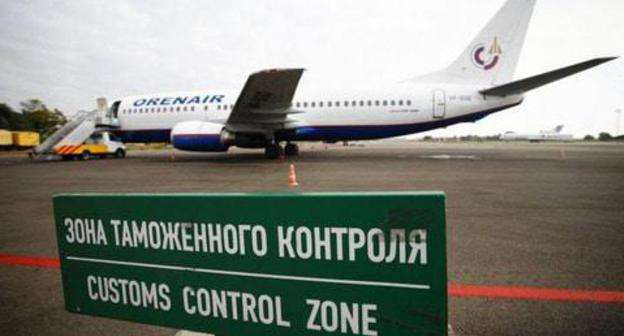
<point>275,151</point>
<point>291,149</point>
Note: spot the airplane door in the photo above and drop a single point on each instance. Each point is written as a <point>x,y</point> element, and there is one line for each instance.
<point>439,104</point>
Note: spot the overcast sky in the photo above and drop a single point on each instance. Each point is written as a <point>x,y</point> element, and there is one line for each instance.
<point>67,53</point>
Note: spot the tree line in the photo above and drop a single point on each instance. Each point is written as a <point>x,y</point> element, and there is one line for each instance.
<point>33,115</point>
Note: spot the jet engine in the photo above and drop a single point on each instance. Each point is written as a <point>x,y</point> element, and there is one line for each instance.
<point>198,136</point>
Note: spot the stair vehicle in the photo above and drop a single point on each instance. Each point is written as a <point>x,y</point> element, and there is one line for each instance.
<point>85,135</point>
<point>99,145</point>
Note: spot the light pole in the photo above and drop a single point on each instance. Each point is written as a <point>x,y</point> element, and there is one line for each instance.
<point>619,115</point>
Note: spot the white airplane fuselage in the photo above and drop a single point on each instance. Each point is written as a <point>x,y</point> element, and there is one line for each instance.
<point>318,116</point>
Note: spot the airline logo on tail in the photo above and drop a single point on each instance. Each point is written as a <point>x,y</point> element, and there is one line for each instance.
<point>487,60</point>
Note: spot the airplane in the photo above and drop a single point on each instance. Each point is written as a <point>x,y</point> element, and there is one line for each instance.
<point>270,111</point>
<point>549,135</point>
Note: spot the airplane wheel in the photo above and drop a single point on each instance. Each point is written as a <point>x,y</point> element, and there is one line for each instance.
<point>85,156</point>
<point>120,153</point>
<point>291,149</point>
<point>273,151</point>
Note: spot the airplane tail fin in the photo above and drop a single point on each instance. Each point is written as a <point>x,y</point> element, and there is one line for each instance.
<point>558,129</point>
<point>491,58</point>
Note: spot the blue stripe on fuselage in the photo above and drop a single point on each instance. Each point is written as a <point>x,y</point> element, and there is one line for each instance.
<point>151,135</point>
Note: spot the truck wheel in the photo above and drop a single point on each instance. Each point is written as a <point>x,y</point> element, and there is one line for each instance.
<point>120,153</point>
<point>85,156</point>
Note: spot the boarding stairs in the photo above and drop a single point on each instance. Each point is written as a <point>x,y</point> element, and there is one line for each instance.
<point>78,129</point>
<point>74,132</point>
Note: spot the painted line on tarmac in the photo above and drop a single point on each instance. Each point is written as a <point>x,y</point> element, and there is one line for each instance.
<point>454,290</point>
<point>29,261</point>
<point>534,293</point>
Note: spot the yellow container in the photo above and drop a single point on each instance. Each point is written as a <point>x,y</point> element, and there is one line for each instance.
<point>6,139</point>
<point>25,139</point>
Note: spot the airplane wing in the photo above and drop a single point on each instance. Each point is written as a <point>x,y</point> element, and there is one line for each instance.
<point>265,102</point>
<point>527,84</point>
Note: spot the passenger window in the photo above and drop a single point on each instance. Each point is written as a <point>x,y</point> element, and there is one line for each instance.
<point>385,103</point>
<point>329,104</point>
<point>184,108</point>
<point>205,107</point>
<point>305,104</point>
<point>361,103</point>
<point>178,109</point>
<point>312,104</point>
<point>297,104</point>
<point>400,103</point>
<point>231,106</point>
<point>320,104</point>
<point>369,103</point>
<point>337,104</point>
<point>409,103</point>
<point>392,103</point>
<point>376,102</point>
<point>346,103</point>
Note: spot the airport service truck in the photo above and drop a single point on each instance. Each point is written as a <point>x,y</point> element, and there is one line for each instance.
<point>99,144</point>
<point>86,135</point>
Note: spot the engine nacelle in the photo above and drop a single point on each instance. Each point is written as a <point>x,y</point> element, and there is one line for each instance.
<point>198,136</point>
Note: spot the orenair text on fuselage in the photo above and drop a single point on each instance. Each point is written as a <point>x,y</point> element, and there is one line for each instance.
<point>179,100</point>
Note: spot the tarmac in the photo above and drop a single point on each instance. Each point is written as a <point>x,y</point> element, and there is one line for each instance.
<point>518,214</point>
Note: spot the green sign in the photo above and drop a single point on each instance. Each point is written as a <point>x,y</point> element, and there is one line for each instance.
<point>258,264</point>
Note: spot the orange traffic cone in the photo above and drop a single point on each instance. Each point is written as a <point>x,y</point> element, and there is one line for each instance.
<point>292,176</point>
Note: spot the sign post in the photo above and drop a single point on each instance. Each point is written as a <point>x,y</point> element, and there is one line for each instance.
<point>263,264</point>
